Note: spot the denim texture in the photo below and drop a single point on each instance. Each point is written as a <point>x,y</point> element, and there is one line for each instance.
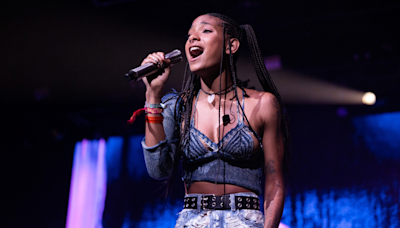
<point>159,159</point>
<point>238,144</point>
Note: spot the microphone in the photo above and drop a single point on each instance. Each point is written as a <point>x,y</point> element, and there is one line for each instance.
<point>150,68</point>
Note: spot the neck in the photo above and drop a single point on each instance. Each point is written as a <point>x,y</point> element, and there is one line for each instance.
<point>212,85</point>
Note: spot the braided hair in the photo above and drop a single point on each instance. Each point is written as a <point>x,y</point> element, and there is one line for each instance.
<point>191,86</point>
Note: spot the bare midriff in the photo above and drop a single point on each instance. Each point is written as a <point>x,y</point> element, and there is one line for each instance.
<point>202,187</point>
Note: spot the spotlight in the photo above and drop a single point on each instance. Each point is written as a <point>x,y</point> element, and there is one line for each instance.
<point>369,98</point>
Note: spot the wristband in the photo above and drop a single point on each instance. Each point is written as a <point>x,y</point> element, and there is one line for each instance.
<point>151,109</point>
<point>154,110</point>
<point>160,105</point>
<point>154,119</point>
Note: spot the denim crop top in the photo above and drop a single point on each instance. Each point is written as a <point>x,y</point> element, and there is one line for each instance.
<point>235,163</point>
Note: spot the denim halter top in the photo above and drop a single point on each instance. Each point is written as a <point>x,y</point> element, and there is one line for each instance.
<point>233,163</point>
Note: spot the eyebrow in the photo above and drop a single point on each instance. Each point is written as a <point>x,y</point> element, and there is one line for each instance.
<point>203,22</point>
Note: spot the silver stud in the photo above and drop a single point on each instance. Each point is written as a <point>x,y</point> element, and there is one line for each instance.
<point>254,206</point>
<point>247,205</point>
<point>214,198</point>
<point>193,199</point>
<point>222,204</point>
<point>193,204</point>
<point>187,205</point>
<point>205,198</point>
<point>240,205</point>
<point>213,204</point>
<point>240,199</point>
<point>229,204</point>
<point>222,198</point>
<point>205,204</point>
<point>248,199</point>
<point>254,200</point>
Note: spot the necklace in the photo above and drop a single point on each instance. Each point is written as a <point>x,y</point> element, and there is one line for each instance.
<point>211,96</point>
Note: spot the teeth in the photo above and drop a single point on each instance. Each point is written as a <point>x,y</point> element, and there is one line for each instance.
<point>194,48</point>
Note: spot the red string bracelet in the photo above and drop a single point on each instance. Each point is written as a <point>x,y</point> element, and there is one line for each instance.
<point>135,114</point>
<point>145,109</point>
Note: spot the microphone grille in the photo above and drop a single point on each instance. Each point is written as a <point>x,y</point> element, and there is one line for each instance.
<point>175,56</point>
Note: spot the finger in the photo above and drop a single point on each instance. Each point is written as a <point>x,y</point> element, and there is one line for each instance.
<point>161,55</point>
<point>165,62</point>
<point>153,59</point>
<point>161,58</point>
<point>157,59</point>
<point>148,59</point>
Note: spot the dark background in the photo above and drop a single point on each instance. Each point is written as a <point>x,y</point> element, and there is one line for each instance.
<point>62,65</point>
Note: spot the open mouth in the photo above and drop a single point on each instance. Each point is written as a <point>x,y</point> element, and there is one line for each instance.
<point>195,51</point>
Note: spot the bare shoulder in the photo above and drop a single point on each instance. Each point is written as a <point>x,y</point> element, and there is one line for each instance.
<point>266,100</point>
<point>264,106</point>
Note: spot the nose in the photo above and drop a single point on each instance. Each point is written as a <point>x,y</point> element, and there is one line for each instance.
<point>193,37</point>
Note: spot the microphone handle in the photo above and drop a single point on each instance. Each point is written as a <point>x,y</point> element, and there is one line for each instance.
<point>141,71</point>
<point>150,68</point>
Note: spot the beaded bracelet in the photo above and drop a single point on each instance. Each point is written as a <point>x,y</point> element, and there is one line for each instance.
<point>148,105</point>
<point>154,119</point>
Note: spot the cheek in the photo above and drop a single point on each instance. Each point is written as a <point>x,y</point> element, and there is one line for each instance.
<point>187,54</point>
<point>217,46</point>
<point>186,49</point>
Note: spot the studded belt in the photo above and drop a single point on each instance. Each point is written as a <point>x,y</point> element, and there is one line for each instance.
<point>221,202</point>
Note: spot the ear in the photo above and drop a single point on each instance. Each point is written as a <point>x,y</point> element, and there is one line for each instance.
<point>235,45</point>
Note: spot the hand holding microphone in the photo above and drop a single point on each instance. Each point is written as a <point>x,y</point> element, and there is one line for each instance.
<point>154,64</point>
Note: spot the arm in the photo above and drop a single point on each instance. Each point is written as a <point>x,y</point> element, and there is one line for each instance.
<point>274,194</point>
<point>159,158</point>
<point>159,144</point>
<point>154,85</point>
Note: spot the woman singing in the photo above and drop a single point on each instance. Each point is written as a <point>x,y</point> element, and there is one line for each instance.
<point>227,137</point>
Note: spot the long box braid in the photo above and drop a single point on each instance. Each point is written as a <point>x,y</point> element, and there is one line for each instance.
<point>191,86</point>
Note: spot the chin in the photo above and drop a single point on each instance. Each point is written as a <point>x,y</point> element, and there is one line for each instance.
<point>195,70</point>
<point>204,70</point>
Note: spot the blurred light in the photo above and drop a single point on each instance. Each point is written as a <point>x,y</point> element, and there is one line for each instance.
<point>135,159</point>
<point>281,225</point>
<point>342,112</point>
<point>369,98</point>
<point>380,133</point>
<point>88,185</point>
<point>273,62</point>
<point>347,207</point>
<point>298,88</point>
